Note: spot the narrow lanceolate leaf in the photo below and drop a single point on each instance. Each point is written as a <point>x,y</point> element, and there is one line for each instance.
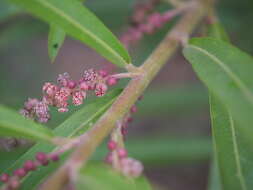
<point>227,72</point>
<point>80,23</point>
<point>234,153</point>
<point>12,124</point>
<point>214,182</point>
<point>56,38</point>
<point>99,176</point>
<point>219,169</point>
<point>80,121</point>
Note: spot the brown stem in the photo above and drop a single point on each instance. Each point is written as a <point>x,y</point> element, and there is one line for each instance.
<point>131,93</point>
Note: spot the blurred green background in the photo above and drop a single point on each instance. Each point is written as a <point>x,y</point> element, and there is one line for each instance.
<point>170,132</point>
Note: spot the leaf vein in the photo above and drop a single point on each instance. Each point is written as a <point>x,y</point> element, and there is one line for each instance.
<point>229,72</point>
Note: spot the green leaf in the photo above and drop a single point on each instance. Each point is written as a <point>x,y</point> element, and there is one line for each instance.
<point>56,38</point>
<point>214,182</point>
<point>217,31</point>
<point>80,23</point>
<point>15,125</point>
<point>228,144</point>
<point>232,150</point>
<point>80,121</point>
<point>227,72</point>
<point>99,176</point>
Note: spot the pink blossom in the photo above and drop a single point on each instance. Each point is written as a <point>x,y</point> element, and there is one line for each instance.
<point>78,97</point>
<point>131,167</point>
<point>63,79</point>
<point>101,89</point>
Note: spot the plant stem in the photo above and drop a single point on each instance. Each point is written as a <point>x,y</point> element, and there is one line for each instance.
<point>128,97</point>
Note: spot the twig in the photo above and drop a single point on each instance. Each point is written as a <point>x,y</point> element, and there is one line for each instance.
<point>131,93</point>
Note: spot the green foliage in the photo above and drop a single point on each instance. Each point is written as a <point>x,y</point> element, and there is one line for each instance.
<point>232,150</point>
<point>214,182</point>
<point>217,31</point>
<point>227,72</point>
<point>56,38</point>
<point>93,177</point>
<point>15,125</point>
<point>229,144</point>
<point>80,121</point>
<point>80,23</point>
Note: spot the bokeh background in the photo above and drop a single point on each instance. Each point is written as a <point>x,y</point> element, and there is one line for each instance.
<point>171,130</point>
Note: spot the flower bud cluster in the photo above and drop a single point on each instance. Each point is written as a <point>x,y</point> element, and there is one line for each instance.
<point>126,165</point>
<point>151,24</point>
<point>146,21</point>
<point>13,182</point>
<point>141,10</point>
<point>59,95</point>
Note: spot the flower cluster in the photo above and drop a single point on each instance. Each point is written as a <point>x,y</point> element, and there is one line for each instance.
<point>126,165</point>
<point>146,21</point>
<point>41,159</point>
<point>118,156</point>
<point>151,24</point>
<point>66,89</point>
<point>141,10</point>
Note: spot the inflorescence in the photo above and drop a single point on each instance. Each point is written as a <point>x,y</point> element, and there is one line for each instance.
<point>143,21</point>
<point>146,21</point>
<point>13,182</point>
<point>118,156</point>
<point>59,95</point>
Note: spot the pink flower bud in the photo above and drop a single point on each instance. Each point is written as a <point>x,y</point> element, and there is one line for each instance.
<point>133,109</point>
<point>101,89</point>
<point>31,103</point>
<point>71,84</point>
<point>63,79</point>
<point>54,157</point>
<point>41,157</point>
<point>84,86</point>
<point>90,75</point>
<point>129,119</point>
<point>131,167</point>
<point>78,97</point>
<point>4,177</point>
<point>29,165</point>
<point>111,81</point>
<point>61,97</point>
<point>103,73</point>
<point>122,153</point>
<point>21,172</point>
<point>156,20</point>
<point>42,112</point>
<point>49,89</point>
<point>124,131</point>
<point>14,183</point>
<point>111,145</point>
